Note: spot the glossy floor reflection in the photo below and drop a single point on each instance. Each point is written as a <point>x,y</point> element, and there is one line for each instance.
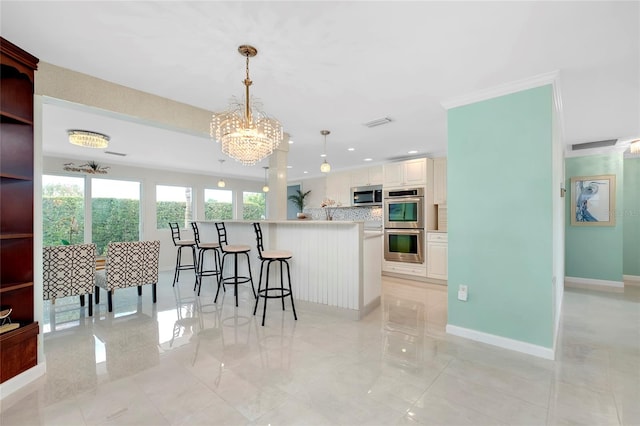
<point>189,361</point>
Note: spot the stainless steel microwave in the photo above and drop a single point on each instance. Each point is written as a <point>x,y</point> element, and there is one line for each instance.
<point>366,196</point>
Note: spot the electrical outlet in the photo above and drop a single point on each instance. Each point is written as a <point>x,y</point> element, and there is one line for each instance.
<point>463,292</point>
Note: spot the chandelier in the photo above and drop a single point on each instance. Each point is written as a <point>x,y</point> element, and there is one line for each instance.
<point>246,136</point>
<point>88,139</point>
<point>635,146</point>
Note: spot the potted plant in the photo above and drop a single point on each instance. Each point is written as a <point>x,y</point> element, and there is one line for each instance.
<point>299,200</point>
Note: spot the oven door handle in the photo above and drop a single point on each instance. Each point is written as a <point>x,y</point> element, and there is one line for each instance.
<point>404,231</point>
<point>411,199</point>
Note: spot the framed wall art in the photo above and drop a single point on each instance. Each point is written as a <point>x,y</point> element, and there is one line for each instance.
<point>593,200</point>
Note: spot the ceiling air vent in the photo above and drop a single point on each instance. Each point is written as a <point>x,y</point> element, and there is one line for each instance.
<point>378,122</point>
<point>119,154</point>
<point>596,144</point>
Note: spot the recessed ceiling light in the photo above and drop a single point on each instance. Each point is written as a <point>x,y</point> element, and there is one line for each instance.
<point>323,155</point>
<point>413,151</point>
<point>351,149</point>
<point>290,141</point>
<point>305,172</point>
<point>289,167</point>
<point>368,159</point>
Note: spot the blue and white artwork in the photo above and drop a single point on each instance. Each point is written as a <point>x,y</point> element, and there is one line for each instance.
<point>592,200</point>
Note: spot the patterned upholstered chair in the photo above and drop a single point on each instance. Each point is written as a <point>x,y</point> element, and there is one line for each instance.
<point>129,264</point>
<point>69,271</point>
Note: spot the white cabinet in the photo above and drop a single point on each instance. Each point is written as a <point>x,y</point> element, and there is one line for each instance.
<point>437,252</point>
<point>406,173</point>
<point>415,269</point>
<point>440,181</point>
<point>366,176</point>
<point>339,187</point>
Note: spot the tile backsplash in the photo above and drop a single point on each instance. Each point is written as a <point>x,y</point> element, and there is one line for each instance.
<point>367,214</point>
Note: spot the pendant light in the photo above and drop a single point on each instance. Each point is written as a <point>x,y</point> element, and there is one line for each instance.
<point>246,134</point>
<point>221,183</point>
<point>325,167</point>
<point>265,188</point>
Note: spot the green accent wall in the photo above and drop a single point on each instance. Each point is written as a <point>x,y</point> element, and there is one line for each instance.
<point>631,221</point>
<point>594,252</point>
<point>500,214</point>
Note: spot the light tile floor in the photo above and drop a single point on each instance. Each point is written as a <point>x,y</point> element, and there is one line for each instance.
<point>189,361</point>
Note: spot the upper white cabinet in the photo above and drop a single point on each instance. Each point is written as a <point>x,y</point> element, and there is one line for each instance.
<point>339,187</point>
<point>366,176</point>
<point>440,181</point>
<point>405,173</point>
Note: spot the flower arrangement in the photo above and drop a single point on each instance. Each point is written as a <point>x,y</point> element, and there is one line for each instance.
<point>329,207</point>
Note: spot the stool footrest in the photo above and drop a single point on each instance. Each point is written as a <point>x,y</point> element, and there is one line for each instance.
<point>235,280</point>
<point>283,292</point>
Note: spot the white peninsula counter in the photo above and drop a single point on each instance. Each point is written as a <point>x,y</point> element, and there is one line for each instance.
<point>336,264</point>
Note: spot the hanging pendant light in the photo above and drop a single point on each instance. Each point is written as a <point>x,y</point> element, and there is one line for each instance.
<point>221,182</point>
<point>245,135</point>
<point>325,167</point>
<point>634,148</point>
<point>265,188</point>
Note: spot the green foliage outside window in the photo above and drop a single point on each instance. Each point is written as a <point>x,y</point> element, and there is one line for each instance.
<point>255,206</point>
<point>170,211</point>
<point>113,220</point>
<point>215,210</point>
<point>57,216</point>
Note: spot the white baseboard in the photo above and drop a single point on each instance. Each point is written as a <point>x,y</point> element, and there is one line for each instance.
<point>633,280</point>
<point>502,342</point>
<point>18,382</point>
<point>590,281</point>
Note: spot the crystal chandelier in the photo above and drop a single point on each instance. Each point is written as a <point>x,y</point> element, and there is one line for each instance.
<point>88,139</point>
<point>246,136</point>
<point>325,167</point>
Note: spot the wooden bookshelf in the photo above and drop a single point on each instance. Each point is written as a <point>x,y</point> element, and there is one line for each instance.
<point>18,347</point>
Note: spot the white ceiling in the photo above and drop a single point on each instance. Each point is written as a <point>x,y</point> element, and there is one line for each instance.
<point>331,65</point>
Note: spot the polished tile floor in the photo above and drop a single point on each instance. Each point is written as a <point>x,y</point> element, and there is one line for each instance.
<point>189,361</point>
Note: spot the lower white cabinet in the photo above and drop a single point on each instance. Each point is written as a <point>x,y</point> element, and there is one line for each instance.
<point>437,252</point>
<point>416,269</point>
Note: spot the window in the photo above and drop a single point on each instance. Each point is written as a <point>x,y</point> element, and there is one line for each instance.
<point>254,205</point>
<point>115,212</point>
<point>62,210</point>
<point>218,204</point>
<point>173,204</point>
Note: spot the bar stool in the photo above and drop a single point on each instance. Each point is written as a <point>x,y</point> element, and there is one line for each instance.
<point>234,250</point>
<point>180,243</point>
<point>202,249</point>
<point>270,256</point>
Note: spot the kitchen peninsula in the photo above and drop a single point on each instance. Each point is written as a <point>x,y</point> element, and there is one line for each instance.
<point>335,265</point>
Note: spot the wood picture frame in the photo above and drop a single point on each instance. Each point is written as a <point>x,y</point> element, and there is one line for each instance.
<point>593,200</point>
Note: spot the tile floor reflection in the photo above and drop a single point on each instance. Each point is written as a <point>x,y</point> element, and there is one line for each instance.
<point>189,361</point>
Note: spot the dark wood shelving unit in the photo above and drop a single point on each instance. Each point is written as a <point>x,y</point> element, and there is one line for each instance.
<point>19,347</point>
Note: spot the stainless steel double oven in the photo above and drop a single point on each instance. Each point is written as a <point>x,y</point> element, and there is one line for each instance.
<point>404,225</point>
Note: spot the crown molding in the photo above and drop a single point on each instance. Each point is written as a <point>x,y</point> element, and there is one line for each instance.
<point>505,89</point>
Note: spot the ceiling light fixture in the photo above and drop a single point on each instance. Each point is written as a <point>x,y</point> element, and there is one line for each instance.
<point>221,182</point>
<point>325,167</point>
<point>246,136</point>
<point>265,188</point>
<point>634,148</point>
<point>88,139</point>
